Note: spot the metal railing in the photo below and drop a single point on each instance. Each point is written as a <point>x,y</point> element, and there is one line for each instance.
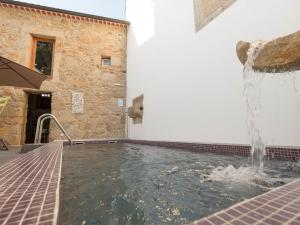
<point>39,128</point>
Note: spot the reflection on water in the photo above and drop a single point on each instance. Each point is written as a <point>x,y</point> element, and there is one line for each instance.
<point>122,184</point>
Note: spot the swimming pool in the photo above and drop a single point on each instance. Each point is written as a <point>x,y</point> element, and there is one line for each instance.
<point>130,184</point>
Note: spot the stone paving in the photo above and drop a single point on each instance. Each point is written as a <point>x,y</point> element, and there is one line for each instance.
<point>6,156</point>
<point>280,206</point>
<point>29,187</point>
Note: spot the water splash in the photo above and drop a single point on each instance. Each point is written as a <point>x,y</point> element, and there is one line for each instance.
<point>255,173</point>
<point>252,94</point>
<point>243,174</point>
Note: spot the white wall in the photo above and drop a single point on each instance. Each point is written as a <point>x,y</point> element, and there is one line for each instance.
<point>192,82</point>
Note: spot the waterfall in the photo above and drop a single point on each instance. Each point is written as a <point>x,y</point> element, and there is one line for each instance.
<point>253,172</point>
<point>252,94</point>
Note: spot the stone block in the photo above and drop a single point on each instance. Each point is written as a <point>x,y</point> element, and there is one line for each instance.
<point>277,56</point>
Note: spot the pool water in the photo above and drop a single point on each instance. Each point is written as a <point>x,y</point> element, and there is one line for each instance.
<point>125,184</point>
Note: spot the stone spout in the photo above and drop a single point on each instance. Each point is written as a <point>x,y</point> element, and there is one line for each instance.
<point>278,56</point>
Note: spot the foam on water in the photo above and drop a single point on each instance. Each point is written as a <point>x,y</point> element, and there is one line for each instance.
<point>244,174</point>
<point>252,95</point>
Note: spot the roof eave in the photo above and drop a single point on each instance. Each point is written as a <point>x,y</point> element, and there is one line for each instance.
<point>73,13</point>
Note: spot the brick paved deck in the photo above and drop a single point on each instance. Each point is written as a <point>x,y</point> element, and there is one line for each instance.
<point>280,206</point>
<point>6,156</point>
<point>29,187</point>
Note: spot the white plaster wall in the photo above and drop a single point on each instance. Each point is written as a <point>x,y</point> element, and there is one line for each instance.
<point>192,82</point>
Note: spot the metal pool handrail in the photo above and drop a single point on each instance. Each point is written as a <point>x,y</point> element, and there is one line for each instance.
<point>39,127</point>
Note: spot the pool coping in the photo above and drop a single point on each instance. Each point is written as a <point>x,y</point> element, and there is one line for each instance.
<point>32,196</point>
<point>279,206</point>
<point>286,153</point>
<point>289,153</point>
<point>29,187</point>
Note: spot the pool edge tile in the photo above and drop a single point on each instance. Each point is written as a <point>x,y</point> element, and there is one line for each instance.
<point>34,177</point>
<point>57,206</point>
<point>271,215</point>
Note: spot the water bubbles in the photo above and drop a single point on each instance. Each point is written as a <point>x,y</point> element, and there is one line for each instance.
<point>230,174</point>
<point>99,204</point>
<point>169,172</point>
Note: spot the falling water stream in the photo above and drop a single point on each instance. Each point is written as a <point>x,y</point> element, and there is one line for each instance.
<point>252,93</point>
<point>253,172</point>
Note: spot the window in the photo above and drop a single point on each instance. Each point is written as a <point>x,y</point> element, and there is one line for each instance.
<point>106,61</point>
<point>42,58</point>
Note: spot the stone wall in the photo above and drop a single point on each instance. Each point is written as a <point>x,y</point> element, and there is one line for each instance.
<point>206,10</point>
<point>79,45</point>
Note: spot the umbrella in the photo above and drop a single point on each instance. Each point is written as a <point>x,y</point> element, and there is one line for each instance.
<point>14,74</point>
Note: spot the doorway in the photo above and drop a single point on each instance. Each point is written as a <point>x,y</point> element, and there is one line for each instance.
<point>38,104</point>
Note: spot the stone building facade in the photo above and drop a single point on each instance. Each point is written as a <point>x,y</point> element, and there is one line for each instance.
<point>80,43</point>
